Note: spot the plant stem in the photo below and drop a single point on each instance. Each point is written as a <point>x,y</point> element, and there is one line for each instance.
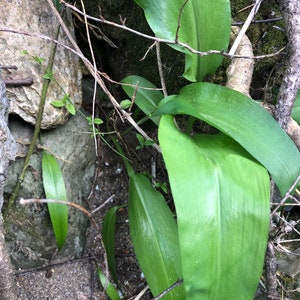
<point>37,128</point>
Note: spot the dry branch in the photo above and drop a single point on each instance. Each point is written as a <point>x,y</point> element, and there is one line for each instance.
<point>290,10</point>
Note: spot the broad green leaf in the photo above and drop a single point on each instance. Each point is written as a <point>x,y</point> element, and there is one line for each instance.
<point>108,237</point>
<point>146,100</point>
<point>154,235</point>
<point>54,187</point>
<point>204,25</point>
<point>296,109</point>
<point>110,290</point>
<point>245,121</point>
<point>222,199</point>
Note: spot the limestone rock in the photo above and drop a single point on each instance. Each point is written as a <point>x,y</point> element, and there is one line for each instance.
<point>29,234</point>
<point>36,17</point>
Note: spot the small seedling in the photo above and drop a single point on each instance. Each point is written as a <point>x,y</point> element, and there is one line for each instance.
<point>124,104</point>
<point>37,59</point>
<point>142,142</point>
<point>65,102</point>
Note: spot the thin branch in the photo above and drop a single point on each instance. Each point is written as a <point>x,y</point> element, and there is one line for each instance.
<point>161,71</point>
<point>245,27</point>
<point>9,67</point>
<point>166,291</point>
<point>290,85</point>
<point>18,82</point>
<point>166,41</point>
<point>258,21</point>
<point>286,196</point>
<point>95,82</point>
<point>72,204</point>
<point>179,19</point>
<point>99,80</point>
<point>39,118</point>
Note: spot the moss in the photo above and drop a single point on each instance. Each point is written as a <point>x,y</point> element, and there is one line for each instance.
<point>127,59</point>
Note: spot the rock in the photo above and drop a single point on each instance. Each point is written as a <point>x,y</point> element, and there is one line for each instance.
<point>29,234</point>
<point>35,17</point>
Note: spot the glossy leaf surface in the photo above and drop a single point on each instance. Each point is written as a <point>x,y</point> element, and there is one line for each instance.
<point>154,235</point>
<point>204,25</point>
<point>296,109</point>
<point>110,290</point>
<point>222,205</point>
<point>147,100</point>
<point>108,237</point>
<point>54,187</point>
<point>245,121</point>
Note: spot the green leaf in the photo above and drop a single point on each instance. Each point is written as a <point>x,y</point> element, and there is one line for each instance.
<point>222,199</point>
<point>146,100</point>
<point>58,103</point>
<point>57,5</point>
<point>296,109</point>
<point>204,25</point>
<point>110,290</point>
<point>48,75</point>
<point>98,121</point>
<point>108,237</point>
<point>54,187</point>
<point>71,108</point>
<point>245,121</point>
<point>154,235</point>
<point>125,104</point>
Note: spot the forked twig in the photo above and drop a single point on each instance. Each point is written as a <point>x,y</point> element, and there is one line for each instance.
<point>179,20</point>
<point>166,41</point>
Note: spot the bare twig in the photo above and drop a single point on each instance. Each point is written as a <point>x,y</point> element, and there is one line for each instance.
<point>161,71</point>
<point>166,41</point>
<point>99,80</point>
<point>286,196</point>
<point>18,82</point>
<point>270,270</point>
<point>245,27</point>
<point>179,20</point>
<point>290,85</point>
<point>9,67</point>
<point>95,82</point>
<point>258,21</point>
<point>72,204</point>
<point>148,50</point>
<point>166,291</point>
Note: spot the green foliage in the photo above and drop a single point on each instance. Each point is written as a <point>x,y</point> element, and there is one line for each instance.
<point>125,104</point>
<point>110,290</point>
<point>245,121</point>
<point>221,196</point>
<point>39,60</point>
<point>65,102</point>
<point>154,235</point>
<point>219,183</point>
<point>296,109</point>
<point>142,142</point>
<point>144,94</point>
<point>54,187</point>
<point>108,237</point>
<point>203,25</point>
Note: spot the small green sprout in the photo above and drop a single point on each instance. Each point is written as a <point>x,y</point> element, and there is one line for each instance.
<point>142,142</point>
<point>65,102</point>
<point>125,104</point>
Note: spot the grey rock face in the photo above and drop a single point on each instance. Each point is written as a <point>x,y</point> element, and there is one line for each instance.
<point>29,233</point>
<point>36,17</point>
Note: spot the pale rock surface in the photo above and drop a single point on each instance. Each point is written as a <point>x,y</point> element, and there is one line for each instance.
<point>36,17</point>
<point>29,234</point>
